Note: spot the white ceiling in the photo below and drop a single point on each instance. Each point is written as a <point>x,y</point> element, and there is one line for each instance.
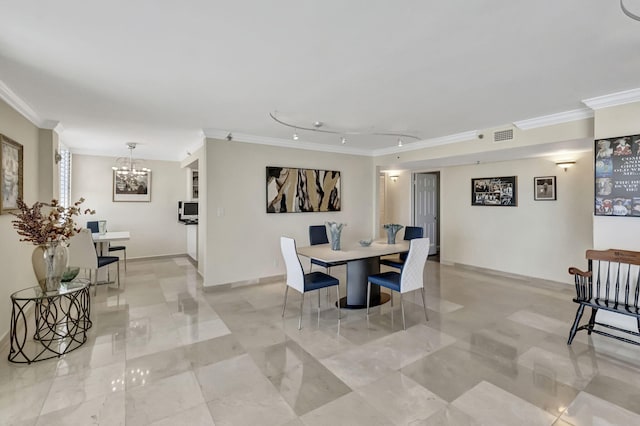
<point>159,72</point>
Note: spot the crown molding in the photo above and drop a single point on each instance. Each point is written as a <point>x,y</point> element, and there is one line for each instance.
<point>9,96</point>
<point>283,143</point>
<point>428,143</point>
<point>613,99</point>
<point>56,126</point>
<point>551,119</point>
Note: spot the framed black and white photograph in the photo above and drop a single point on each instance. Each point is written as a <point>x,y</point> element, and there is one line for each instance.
<point>544,188</point>
<point>495,191</point>
<point>131,186</point>
<point>11,184</point>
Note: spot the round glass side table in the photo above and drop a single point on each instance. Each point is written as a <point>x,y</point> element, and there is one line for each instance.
<point>60,321</point>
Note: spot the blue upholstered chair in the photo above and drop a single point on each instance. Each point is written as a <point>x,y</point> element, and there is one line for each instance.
<point>82,254</point>
<point>93,226</point>
<point>410,278</point>
<point>410,233</point>
<point>318,235</point>
<point>300,281</point>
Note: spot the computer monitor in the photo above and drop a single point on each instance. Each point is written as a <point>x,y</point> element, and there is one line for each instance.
<point>187,210</point>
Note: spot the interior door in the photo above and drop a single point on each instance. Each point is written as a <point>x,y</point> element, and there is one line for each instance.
<point>425,210</point>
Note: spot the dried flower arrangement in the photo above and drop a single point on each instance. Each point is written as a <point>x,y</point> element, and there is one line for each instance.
<point>56,225</point>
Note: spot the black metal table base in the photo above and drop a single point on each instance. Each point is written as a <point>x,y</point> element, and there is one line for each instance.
<point>375,301</point>
<point>61,323</point>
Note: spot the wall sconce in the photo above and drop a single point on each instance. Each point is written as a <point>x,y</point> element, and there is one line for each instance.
<point>394,178</point>
<point>565,164</point>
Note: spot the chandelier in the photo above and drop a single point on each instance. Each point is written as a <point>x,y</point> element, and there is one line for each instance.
<point>129,166</point>
<point>320,127</point>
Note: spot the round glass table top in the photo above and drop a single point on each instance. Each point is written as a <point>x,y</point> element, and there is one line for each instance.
<point>36,292</point>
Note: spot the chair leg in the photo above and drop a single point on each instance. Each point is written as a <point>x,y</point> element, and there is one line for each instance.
<point>284,305</point>
<point>592,320</point>
<point>404,325</point>
<point>340,315</point>
<point>118,264</point>
<point>574,328</point>
<point>125,260</point>
<point>319,303</point>
<point>300,320</point>
<point>328,299</point>
<point>95,285</point>
<point>424,304</point>
<point>368,296</point>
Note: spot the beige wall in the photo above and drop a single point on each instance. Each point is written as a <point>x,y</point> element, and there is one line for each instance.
<point>616,232</point>
<point>398,201</point>
<point>242,239</point>
<point>154,227</point>
<point>15,256</point>
<point>609,231</point>
<point>537,238</point>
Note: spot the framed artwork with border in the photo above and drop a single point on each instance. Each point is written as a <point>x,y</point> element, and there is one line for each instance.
<point>293,190</point>
<point>495,191</point>
<point>131,187</point>
<point>544,188</point>
<point>11,175</point>
<point>617,176</point>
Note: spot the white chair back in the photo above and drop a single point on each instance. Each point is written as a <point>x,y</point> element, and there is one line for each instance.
<point>295,273</point>
<point>82,252</point>
<point>413,269</point>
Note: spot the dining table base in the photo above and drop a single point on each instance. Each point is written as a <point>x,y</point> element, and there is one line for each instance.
<point>358,272</point>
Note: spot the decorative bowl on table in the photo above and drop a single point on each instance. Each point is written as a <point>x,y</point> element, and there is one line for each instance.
<point>365,243</point>
<point>69,274</point>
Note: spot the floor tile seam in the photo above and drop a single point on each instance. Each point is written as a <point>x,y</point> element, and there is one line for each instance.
<point>619,407</point>
<point>501,405</point>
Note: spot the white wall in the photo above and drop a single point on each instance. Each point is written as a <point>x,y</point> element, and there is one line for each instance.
<point>243,243</point>
<point>15,256</point>
<point>154,227</point>
<point>537,238</point>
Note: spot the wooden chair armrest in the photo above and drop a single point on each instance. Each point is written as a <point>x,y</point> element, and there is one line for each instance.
<point>576,271</point>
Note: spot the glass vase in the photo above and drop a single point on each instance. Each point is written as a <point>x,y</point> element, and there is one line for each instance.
<point>49,263</point>
<point>335,230</point>
<point>392,230</point>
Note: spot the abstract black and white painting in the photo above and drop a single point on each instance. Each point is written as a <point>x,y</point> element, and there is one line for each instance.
<point>292,190</point>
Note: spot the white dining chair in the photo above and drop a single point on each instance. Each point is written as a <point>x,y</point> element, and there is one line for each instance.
<point>409,279</point>
<point>82,254</point>
<point>298,280</point>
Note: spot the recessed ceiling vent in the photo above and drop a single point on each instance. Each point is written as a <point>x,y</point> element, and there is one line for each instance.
<point>503,135</point>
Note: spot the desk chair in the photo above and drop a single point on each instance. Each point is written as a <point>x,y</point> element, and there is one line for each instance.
<point>410,233</point>
<point>410,278</point>
<point>93,225</point>
<point>302,282</point>
<point>82,254</point>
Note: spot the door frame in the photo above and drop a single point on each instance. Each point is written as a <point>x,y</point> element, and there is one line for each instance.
<point>413,200</point>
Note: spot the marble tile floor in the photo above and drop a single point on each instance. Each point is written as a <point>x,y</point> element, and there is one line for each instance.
<point>162,351</point>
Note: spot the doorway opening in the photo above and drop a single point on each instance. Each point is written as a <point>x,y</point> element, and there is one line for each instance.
<point>426,208</point>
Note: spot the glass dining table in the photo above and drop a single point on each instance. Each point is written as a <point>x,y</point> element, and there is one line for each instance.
<point>361,262</point>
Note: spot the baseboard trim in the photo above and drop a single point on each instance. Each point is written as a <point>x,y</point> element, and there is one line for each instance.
<point>504,274</point>
<point>244,283</point>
